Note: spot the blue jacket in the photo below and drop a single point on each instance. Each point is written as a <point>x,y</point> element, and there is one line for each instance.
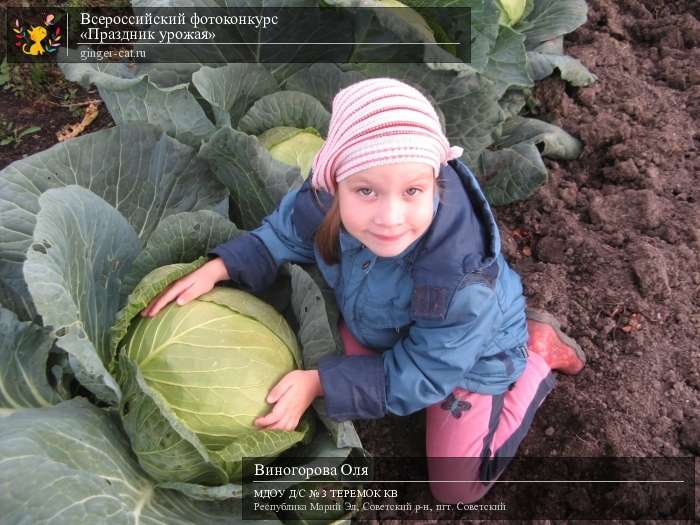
<point>447,312</point>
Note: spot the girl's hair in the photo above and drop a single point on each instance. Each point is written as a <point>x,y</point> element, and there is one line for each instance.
<point>328,233</point>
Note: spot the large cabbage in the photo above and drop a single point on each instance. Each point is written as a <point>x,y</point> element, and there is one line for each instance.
<point>195,377</point>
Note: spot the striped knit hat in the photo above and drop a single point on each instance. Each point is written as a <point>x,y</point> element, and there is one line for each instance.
<point>376,122</point>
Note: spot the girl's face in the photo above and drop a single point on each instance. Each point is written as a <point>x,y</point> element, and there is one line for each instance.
<point>388,207</point>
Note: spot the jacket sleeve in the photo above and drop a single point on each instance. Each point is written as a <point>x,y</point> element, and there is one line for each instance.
<point>421,369</point>
<point>252,259</point>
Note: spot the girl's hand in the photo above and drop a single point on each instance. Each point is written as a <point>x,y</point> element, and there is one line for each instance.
<point>188,287</point>
<point>292,395</point>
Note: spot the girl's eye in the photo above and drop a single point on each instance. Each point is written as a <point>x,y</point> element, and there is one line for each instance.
<point>366,192</point>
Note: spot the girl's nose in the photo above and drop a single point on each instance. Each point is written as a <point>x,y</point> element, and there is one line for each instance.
<point>390,214</point>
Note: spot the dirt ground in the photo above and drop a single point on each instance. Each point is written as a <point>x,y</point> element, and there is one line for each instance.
<point>46,104</point>
<point>610,245</point>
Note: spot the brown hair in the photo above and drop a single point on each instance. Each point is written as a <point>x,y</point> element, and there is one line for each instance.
<point>328,232</point>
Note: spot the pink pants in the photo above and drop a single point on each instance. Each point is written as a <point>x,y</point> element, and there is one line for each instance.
<point>471,438</point>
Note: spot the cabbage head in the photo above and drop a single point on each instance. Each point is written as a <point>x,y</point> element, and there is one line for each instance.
<point>293,146</point>
<point>195,377</point>
<point>511,11</point>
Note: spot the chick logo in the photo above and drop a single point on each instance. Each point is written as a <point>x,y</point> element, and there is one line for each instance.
<point>40,39</point>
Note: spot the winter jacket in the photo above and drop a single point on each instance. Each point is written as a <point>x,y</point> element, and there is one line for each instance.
<point>447,312</point>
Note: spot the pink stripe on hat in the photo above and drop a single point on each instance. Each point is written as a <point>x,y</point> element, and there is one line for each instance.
<point>376,122</point>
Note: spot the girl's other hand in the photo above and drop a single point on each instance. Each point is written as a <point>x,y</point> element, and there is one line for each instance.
<point>188,287</point>
<point>291,396</point>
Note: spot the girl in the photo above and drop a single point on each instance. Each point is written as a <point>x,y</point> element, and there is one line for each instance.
<point>432,315</point>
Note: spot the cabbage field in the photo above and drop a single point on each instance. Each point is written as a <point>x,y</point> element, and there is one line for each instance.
<point>580,118</point>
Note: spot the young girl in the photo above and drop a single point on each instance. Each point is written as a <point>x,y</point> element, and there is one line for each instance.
<point>432,315</point>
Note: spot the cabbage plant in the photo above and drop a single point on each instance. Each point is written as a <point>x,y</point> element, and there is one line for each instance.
<point>93,229</point>
<point>195,377</point>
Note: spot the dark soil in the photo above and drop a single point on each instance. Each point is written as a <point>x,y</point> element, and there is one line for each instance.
<point>609,245</point>
<point>46,103</point>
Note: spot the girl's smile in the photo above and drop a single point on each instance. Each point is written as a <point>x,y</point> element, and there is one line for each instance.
<point>388,238</point>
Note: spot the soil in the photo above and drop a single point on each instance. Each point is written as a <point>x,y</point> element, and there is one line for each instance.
<point>609,245</point>
<point>44,104</point>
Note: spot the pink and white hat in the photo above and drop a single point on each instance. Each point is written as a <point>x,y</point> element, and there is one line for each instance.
<point>376,122</point>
